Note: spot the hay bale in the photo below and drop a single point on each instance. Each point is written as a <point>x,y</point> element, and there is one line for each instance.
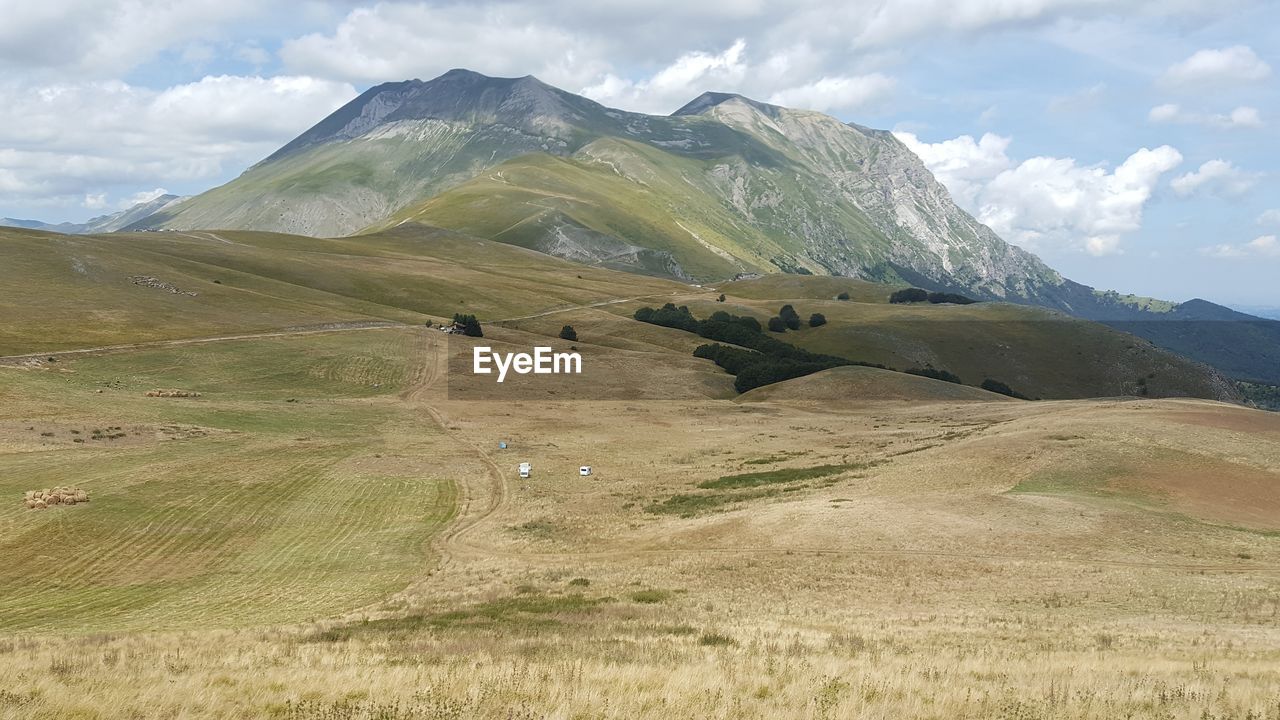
<point>39,505</point>
<point>53,500</point>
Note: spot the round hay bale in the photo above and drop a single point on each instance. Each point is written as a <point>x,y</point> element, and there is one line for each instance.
<point>39,505</point>
<point>31,504</point>
<point>53,500</point>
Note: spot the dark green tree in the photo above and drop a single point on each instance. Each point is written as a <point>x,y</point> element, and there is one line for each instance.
<point>843,296</point>
<point>470,326</point>
<point>817,320</point>
<point>790,317</point>
<point>568,333</point>
<point>777,324</point>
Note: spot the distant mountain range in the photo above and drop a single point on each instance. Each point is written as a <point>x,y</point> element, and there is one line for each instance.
<point>725,185</point>
<point>102,223</point>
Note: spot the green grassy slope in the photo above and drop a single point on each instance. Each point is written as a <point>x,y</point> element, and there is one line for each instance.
<point>1039,353</point>
<point>270,499</point>
<point>62,292</point>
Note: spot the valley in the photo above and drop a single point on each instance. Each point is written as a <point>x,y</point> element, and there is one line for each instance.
<point>331,526</point>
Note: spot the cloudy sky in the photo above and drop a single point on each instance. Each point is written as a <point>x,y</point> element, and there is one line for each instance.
<point>1130,143</point>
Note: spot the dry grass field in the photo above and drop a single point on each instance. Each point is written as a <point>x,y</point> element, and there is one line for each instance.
<point>330,530</point>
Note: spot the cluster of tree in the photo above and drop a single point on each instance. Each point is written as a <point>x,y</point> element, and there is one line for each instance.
<point>470,326</point>
<point>754,368</point>
<point>788,319</point>
<point>762,359</point>
<point>996,386</point>
<point>759,360</point>
<point>911,295</point>
<point>843,296</point>
<point>568,333</point>
<point>936,374</point>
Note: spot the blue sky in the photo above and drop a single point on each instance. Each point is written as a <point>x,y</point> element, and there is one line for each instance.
<point>1129,143</point>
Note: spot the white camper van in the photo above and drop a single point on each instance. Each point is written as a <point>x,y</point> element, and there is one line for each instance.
<point>585,470</point>
<point>525,468</point>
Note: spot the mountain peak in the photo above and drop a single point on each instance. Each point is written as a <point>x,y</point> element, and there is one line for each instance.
<point>709,100</point>
<point>459,95</point>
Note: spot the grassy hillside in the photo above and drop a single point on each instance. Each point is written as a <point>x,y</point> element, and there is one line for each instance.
<point>290,489</point>
<point>844,387</point>
<point>67,292</point>
<point>332,530</point>
<point>1038,353</point>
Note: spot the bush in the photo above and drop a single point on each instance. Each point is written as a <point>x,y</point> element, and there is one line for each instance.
<point>909,295</point>
<point>935,374</point>
<point>669,316</point>
<point>843,296</point>
<point>721,298</point>
<point>470,326</point>
<point>715,640</point>
<point>996,386</point>
<point>568,333</point>
<point>817,320</point>
<point>937,298</point>
<point>777,324</point>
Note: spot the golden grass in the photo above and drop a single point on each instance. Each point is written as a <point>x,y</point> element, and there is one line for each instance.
<point>270,548</point>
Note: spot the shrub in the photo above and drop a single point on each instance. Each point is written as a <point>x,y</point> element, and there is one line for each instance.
<point>909,295</point>
<point>777,324</point>
<point>721,298</point>
<point>996,386</point>
<point>953,298</point>
<point>568,333</point>
<point>715,640</point>
<point>817,320</point>
<point>935,374</point>
<point>650,597</point>
<point>843,296</point>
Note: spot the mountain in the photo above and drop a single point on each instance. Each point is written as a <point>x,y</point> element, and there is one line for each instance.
<point>722,186</point>
<point>726,185</point>
<point>102,223</point>
<point>25,224</point>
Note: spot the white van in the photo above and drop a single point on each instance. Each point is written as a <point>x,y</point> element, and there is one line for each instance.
<point>585,470</point>
<point>525,469</point>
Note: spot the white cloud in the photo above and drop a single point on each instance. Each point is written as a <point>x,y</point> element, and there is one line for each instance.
<point>102,38</point>
<point>964,166</point>
<point>95,202</point>
<point>1235,64</point>
<point>675,84</point>
<point>397,41</point>
<point>1241,117</point>
<point>1265,246</point>
<point>1215,177</point>
<point>1047,201</point>
<point>59,142</point>
<point>835,93</point>
<point>1269,217</point>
